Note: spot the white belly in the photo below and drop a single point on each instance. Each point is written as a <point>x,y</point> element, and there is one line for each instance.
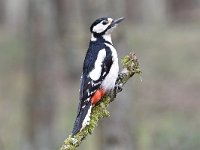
<point>110,79</point>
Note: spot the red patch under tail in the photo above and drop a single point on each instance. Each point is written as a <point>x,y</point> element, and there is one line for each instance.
<point>97,96</point>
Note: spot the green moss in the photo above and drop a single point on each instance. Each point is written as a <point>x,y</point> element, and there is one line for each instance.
<point>99,111</point>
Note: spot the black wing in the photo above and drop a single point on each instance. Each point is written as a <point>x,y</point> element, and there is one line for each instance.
<point>88,86</point>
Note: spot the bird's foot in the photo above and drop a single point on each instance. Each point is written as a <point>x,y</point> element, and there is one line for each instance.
<point>118,88</point>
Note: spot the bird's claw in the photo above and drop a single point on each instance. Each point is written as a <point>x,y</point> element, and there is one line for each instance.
<point>118,88</point>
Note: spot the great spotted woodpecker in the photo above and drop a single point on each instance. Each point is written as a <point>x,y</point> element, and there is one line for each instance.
<point>100,69</point>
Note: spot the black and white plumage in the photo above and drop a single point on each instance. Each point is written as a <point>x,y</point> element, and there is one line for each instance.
<point>100,69</point>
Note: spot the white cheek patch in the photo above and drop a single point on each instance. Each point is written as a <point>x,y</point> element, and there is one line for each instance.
<point>96,72</point>
<point>100,28</point>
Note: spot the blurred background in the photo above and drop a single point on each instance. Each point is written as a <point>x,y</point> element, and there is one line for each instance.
<point>42,47</point>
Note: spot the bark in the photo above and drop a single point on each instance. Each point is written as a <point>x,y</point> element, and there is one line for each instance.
<point>130,67</point>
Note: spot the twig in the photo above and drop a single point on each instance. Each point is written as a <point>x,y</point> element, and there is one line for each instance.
<point>130,67</point>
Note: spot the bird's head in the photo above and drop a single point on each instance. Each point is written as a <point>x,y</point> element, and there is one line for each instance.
<point>104,25</point>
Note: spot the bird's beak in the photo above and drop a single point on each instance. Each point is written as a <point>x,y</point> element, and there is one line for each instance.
<point>115,22</point>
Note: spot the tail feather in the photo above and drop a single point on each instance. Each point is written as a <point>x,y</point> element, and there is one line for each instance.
<point>83,118</point>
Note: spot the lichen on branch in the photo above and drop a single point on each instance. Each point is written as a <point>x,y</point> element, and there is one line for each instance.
<point>130,67</point>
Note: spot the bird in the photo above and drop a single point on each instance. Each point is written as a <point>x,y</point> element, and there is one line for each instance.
<point>100,69</point>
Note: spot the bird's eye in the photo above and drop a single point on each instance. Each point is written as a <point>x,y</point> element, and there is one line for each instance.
<point>104,22</point>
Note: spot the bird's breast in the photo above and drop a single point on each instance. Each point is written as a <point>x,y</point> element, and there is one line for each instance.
<point>110,79</point>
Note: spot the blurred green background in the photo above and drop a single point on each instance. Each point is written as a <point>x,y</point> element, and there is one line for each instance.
<point>42,47</point>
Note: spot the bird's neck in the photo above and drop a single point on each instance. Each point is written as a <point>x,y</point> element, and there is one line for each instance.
<point>107,38</point>
<point>103,38</point>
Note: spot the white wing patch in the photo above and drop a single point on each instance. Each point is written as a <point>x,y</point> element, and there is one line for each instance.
<point>96,72</point>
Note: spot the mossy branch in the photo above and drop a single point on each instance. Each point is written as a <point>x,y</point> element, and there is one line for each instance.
<point>130,67</point>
